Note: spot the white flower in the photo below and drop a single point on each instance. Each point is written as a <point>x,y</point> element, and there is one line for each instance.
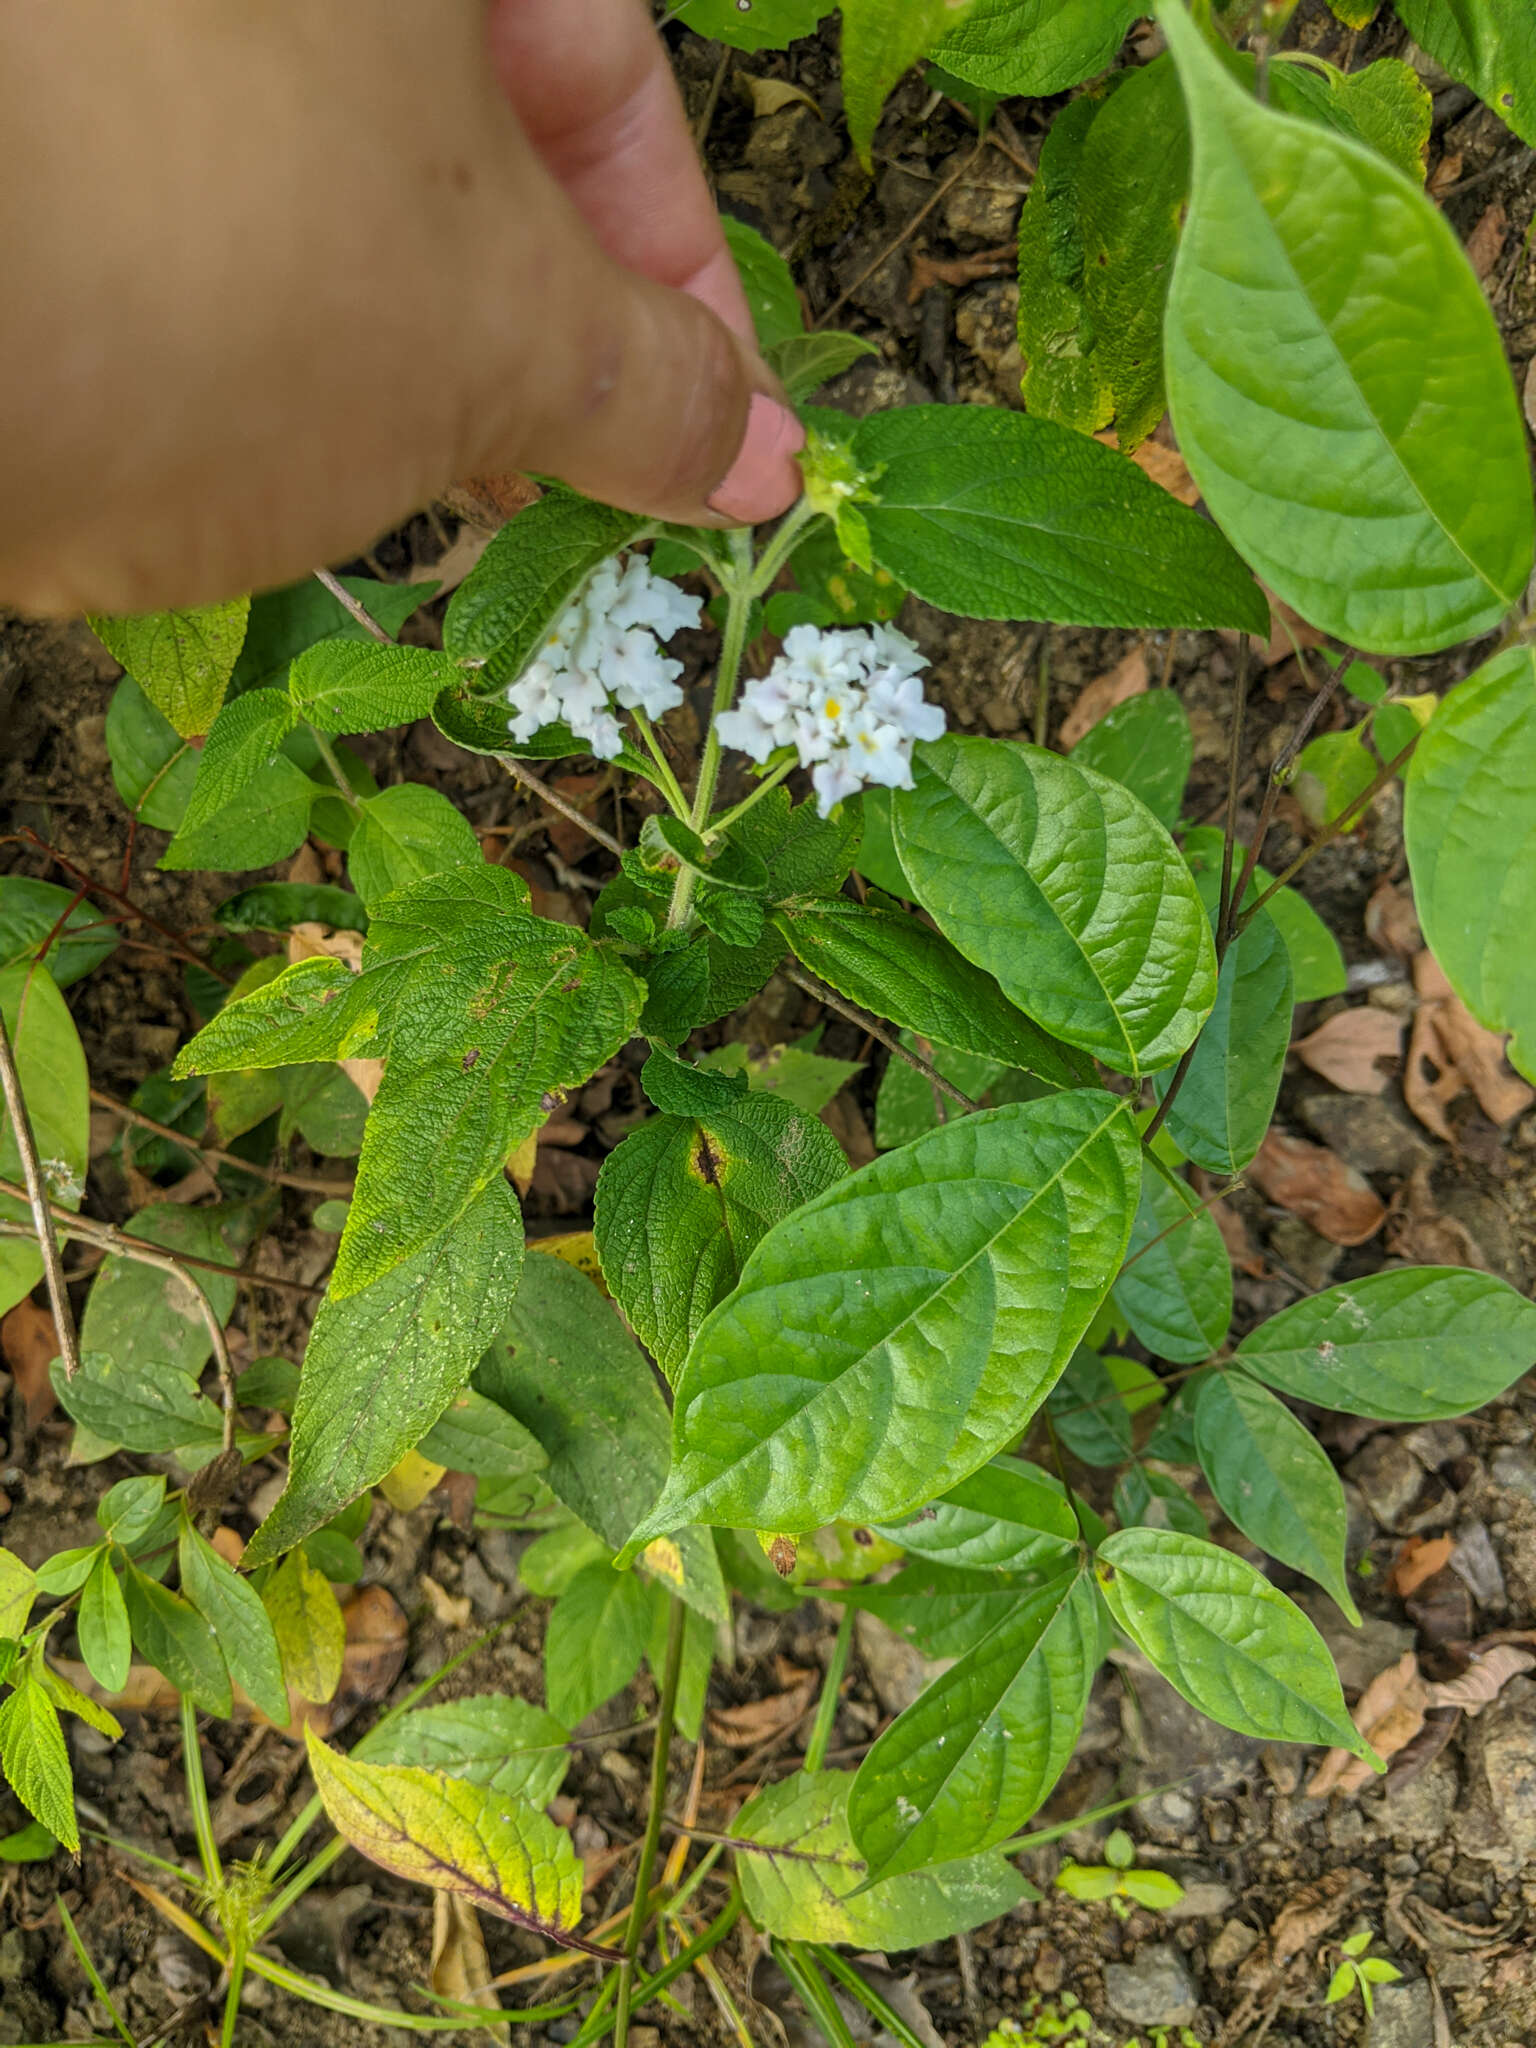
<point>850,703</point>
<point>605,646</point>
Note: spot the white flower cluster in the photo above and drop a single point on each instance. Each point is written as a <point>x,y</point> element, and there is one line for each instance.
<point>850,703</point>
<point>606,645</point>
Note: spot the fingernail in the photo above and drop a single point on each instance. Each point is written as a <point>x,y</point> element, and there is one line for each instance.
<point>763,480</point>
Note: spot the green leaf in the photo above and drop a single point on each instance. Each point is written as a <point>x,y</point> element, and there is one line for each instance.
<point>1317,965</point>
<point>1088,1413</point>
<point>804,362</point>
<point>360,686</point>
<point>526,578</point>
<point>1152,1500</point>
<point>18,1588</point>
<point>768,283</point>
<point>153,770</point>
<point>998,515</point>
<point>761,25</point>
<point>279,906</point>
<point>881,40</point>
<point>142,1319</point>
<point>474,1435</point>
<point>567,1369</point>
<point>35,1760</point>
<point>1383,105</point>
<point>482,724</point>
<point>685,1198</point>
<point>1273,1480</point>
<point>1372,465</point>
<point>806,1080</point>
<point>51,1068</point>
<point>1222,1636</point>
<point>1145,744</point>
<point>325,1107</point>
<point>284,623</point>
<point>901,968</point>
<point>1469,823</point>
<point>1062,376</point>
<point>906,1104</point>
<point>148,1407</point>
<point>490,1739</point>
<point>1230,1087</point>
<point>31,1844</point>
<point>403,835</point>
<point>181,660</point>
<point>128,1511</point>
<point>308,1627</point>
<point>595,1639</point>
<point>1487,44</point>
<point>1177,1296</point>
<point>1406,1346</point>
<point>30,910</point>
<point>1062,885</point>
<point>891,1335</point>
<point>498,1851</point>
<point>233,1610</point>
<point>250,803</point>
<point>1006,1517</point>
<point>978,1752</point>
<point>417,1332</point>
<point>174,1637</point>
<point>818,1893</point>
<point>1036,46</point>
<point>314,1010</point>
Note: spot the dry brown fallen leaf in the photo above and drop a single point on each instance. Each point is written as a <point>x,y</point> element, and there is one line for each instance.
<point>1530,395</point>
<point>1165,466</point>
<point>1392,923</point>
<point>1485,244</point>
<point>957,270</point>
<point>1128,678</point>
<point>1445,173</point>
<point>1316,1185</point>
<point>1418,1229</point>
<point>1419,1559</point>
<point>770,94</point>
<point>451,1610</point>
<point>1450,1052</point>
<point>1241,1249</point>
<point>758,1721</point>
<point>319,942</point>
<point>1389,1713</point>
<point>490,501</point>
<point>1484,1679</point>
<point>30,1343</point>
<point>461,1969</point>
<point>1354,1050</point>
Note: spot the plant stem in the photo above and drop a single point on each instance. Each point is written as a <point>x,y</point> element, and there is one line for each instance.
<point>37,1200</point>
<point>878,1032</point>
<point>556,802</point>
<point>732,646</point>
<point>661,1755</point>
<point>1338,825</point>
<point>353,608</point>
<point>307,1183</point>
<point>788,536</point>
<point>197,1797</point>
<point>327,752</point>
<point>728,818</point>
<point>826,1706</point>
<point>232,1995</point>
<point>667,781</point>
<point>1281,766</point>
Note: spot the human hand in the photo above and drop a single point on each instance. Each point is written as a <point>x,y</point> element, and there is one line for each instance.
<point>276,276</point>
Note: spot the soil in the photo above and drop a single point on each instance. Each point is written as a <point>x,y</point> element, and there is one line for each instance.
<point>1440,1861</point>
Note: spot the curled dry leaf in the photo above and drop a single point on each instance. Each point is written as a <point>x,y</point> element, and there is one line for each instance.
<point>1354,1050</point>
<point>771,94</point>
<point>760,1720</point>
<point>461,1969</point>
<point>955,270</point>
<point>30,1343</point>
<point>1484,1679</point>
<point>1485,244</point>
<point>1316,1185</point>
<point>1421,1233</point>
<point>1419,1559</point>
<point>1392,923</point>
<point>1389,1714</point>
<point>1241,1249</point>
<point>1128,678</point>
<point>1450,1052</point>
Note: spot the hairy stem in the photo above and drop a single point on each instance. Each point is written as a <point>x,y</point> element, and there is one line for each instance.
<point>791,531</point>
<point>37,1200</point>
<point>661,1756</point>
<point>732,646</point>
<point>728,818</point>
<point>666,780</point>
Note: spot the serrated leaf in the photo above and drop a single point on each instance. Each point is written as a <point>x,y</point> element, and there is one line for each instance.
<point>1405,1346</point>
<point>35,1760</point>
<point>279,906</point>
<point>901,968</point>
<point>417,1332</point>
<point>173,1636</point>
<point>595,1640</point>
<point>18,1589</point>
<point>314,1010</point>
<point>1470,824</point>
<point>1273,1480</point>
<point>490,1739</point>
<point>153,768</point>
<point>250,803</point>
<point>817,1894</point>
<point>148,1407</point>
<point>1229,1091</point>
<point>890,1336</point>
<point>1487,44</point>
<point>1177,1295</point>
<point>489,1846</point>
<point>346,686</point>
<point>1371,464</point>
<point>308,1626</point>
<point>1221,1635</point>
<point>977,1753</point>
<point>684,1200</point>
<point>285,622</point>
<point>1036,46</point>
<point>182,660</point>
<point>234,1611</point>
<point>474,1435</point>
<point>881,40</point>
<point>29,913</point>
<point>1144,743</point>
<point>1062,379</point>
<point>1317,965</point>
<point>1064,887</point>
<point>1384,105</point>
<point>50,1066</point>
<point>405,834</point>
<point>999,515</point>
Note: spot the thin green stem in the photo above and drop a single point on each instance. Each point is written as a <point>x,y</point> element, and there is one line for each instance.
<point>384,2016</point>
<point>1342,822</point>
<point>307,1874</point>
<point>732,646</point>
<point>328,755</point>
<point>661,1756</point>
<point>197,1796</point>
<point>728,818</point>
<point>831,1685</point>
<point>791,531</point>
<point>232,1995</point>
<point>666,781</point>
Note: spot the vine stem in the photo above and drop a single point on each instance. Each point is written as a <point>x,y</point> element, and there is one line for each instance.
<point>306,1183</point>
<point>878,1032</point>
<point>36,1198</point>
<point>661,1756</point>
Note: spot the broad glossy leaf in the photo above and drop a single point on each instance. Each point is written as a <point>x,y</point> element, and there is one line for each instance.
<point>946,1610</point>
<point>1407,1346</point>
<point>892,1335</point>
<point>998,515</point>
<point>360,686</point>
<point>881,40</point>
<point>285,622</point>
<point>140,1317</point>
<point>473,1435</point>
<point>565,1366</point>
<point>30,910</point>
<point>35,1761</point>
<point>685,1198</point>
<point>1337,380</point>
<point>51,1068</point>
<point>816,1895</point>
<point>148,1407</point>
<point>1317,965</point>
<point>233,1609</point>
<point>1177,1295</point>
<point>1223,1108</point>
<point>1008,1517</point>
<point>767,281</point>
<point>182,660</point>
<point>250,803</point>
<point>527,576</point>
<point>1144,743</point>
<point>128,1511</point>
<point>1036,46</point>
<point>1273,1480</point>
<point>1065,887</point>
<point>1221,1635</point>
<point>491,1847</point>
<point>978,1752</point>
<point>417,1333</point>
<point>153,768</point>
<point>279,906</point>
<point>901,968</point>
<point>405,834</point>
<point>307,1622</point>
<point>170,1634</point>
<point>595,1639</point>
<point>1470,827</point>
<point>492,1739</point>
<point>760,25</point>
<point>1489,45</point>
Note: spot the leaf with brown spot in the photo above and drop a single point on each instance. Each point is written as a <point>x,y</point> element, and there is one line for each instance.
<point>1316,1185</point>
<point>1355,1050</point>
<point>1389,1714</point>
<point>1128,678</point>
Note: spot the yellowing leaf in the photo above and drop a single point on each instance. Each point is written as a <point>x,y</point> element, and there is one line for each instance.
<point>407,1485</point>
<point>311,1632</point>
<point>492,1848</point>
<point>577,1249</point>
